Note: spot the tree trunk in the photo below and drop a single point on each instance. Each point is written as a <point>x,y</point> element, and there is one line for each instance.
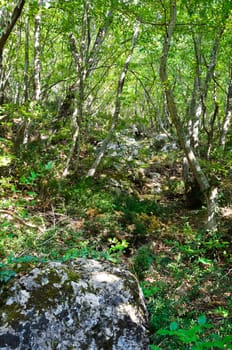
<point>117,108</point>
<point>86,61</point>
<point>3,39</point>
<point>194,110</point>
<point>1,81</point>
<point>228,114</point>
<point>26,62</point>
<point>210,124</point>
<point>90,64</point>
<point>74,143</point>
<point>77,114</point>
<point>37,63</point>
<point>208,192</point>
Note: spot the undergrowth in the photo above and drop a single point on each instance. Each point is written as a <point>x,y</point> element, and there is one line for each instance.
<point>183,270</point>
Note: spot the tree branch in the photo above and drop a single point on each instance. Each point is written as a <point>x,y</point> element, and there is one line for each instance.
<point>15,15</point>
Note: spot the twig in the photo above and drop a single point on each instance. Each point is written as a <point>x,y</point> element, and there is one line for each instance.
<point>20,220</point>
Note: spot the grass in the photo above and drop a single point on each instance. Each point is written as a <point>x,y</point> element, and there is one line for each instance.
<point>184,271</point>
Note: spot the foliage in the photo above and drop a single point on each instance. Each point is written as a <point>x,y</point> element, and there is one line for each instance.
<point>143,261</point>
<point>184,277</point>
<point>133,212</point>
<point>197,336</point>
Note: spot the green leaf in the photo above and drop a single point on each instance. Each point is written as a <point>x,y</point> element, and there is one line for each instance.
<point>154,347</point>
<point>173,326</point>
<point>6,275</point>
<point>33,175</point>
<point>163,332</point>
<point>205,261</point>
<point>202,320</point>
<point>48,166</point>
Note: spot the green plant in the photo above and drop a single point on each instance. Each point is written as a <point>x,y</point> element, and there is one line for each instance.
<point>6,273</point>
<point>143,261</point>
<point>196,337</point>
<point>116,248</point>
<point>7,184</point>
<point>151,290</point>
<point>12,265</point>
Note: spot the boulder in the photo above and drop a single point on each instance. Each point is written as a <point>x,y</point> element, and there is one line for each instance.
<point>82,304</point>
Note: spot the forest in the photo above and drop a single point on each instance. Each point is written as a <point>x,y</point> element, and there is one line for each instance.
<point>116,144</point>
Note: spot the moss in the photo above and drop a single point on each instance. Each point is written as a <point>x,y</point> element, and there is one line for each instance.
<point>55,291</point>
<point>52,276</point>
<point>13,314</point>
<point>44,297</point>
<point>73,275</point>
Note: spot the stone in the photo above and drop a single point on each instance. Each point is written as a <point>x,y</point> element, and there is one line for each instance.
<point>81,305</point>
<point>170,146</point>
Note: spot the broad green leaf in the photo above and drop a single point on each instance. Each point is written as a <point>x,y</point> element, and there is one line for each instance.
<point>48,166</point>
<point>205,261</point>
<point>202,320</point>
<point>173,326</point>
<point>154,347</point>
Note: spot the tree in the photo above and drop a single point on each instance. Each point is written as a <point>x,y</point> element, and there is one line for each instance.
<point>117,107</point>
<point>4,35</point>
<point>228,113</point>
<point>37,63</point>
<point>209,192</point>
<point>86,59</point>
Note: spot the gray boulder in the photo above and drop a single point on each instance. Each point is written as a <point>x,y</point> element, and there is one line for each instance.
<point>81,305</point>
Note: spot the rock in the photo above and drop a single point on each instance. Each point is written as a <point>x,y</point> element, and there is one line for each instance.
<point>162,137</point>
<point>170,146</point>
<point>83,305</point>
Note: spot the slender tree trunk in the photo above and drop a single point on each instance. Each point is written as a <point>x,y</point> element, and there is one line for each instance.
<point>91,63</point>
<point>209,124</point>
<point>37,63</point>
<point>3,39</point>
<point>209,193</point>
<point>74,143</point>
<point>77,114</point>
<point>211,128</point>
<point>86,61</point>
<point>194,110</point>
<point>26,62</point>
<point>228,114</point>
<point>117,108</point>
<point>197,111</point>
<point>1,80</point>
<point>80,59</point>
<point>153,107</point>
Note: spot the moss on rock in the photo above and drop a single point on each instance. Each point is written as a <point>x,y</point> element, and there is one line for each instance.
<point>83,304</point>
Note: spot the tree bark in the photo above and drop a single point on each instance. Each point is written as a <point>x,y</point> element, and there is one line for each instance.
<point>11,23</point>
<point>74,143</point>
<point>197,111</point>
<point>4,37</point>
<point>91,63</point>
<point>77,114</point>
<point>210,124</point>
<point>26,62</point>
<point>194,110</point>
<point>117,108</point>
<point>228,114</point>
<point>86,61</point>
<point>37,63</point>
<point>208,192</point>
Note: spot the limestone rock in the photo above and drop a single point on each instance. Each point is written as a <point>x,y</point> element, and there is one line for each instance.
<point>80,305</point>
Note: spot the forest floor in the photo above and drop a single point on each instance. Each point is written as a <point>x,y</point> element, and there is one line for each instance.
<point>135,216</point>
